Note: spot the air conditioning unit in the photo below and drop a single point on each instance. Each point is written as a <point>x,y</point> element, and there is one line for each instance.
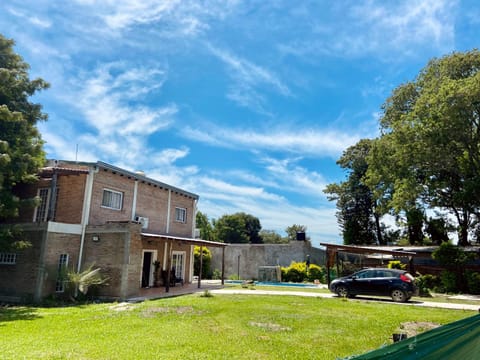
<point>196,234</point>
<point>142,220</point>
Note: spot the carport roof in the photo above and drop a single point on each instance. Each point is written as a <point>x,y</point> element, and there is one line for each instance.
<point>367,250</point>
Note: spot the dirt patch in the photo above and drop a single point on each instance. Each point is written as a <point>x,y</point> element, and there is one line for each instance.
<point>414,328</point>
<point>168,310</point>
<point>270,326</point>
<point>122,307</point>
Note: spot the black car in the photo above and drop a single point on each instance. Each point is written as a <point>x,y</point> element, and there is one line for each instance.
<point>398,284</point>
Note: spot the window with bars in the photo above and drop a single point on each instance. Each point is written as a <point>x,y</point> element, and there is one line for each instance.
<point>41,211</point>
<point>112,199</point>
<point>62,267</point>
<point>8,258</point>
<point>181,215</point>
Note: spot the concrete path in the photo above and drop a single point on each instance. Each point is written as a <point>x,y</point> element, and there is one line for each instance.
<point>474,307</point>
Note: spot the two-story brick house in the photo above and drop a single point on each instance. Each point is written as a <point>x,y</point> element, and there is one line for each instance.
<point>96,213</point>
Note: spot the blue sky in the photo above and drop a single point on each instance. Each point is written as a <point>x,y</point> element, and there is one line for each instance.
<point>246,103</point>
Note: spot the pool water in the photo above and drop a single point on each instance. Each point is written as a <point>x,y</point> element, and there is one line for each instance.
<point>268,283</point>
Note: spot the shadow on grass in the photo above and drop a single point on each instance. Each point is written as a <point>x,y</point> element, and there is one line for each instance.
<point>15,313</point>
<point>383,300</point>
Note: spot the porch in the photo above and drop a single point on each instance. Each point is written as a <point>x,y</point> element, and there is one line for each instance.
<point>162,292</point>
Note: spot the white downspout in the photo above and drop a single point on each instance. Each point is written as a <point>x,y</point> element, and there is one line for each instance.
<point>87,201</point>
<point>134,204</point>
<point>168,210</point>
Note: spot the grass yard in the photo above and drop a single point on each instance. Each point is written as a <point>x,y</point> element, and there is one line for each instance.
<point>218,327</point>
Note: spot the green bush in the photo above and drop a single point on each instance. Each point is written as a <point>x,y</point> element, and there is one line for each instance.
<point>425,283</point>
<point>316,272</point>
<point>297,272</point>
<point>206,262</point>
<point>449,281</point>
<point>396,264</point>
<point>473,282</point>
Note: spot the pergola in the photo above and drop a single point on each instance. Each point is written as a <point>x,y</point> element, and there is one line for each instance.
<point>332,251</point>
<point>170,240</point>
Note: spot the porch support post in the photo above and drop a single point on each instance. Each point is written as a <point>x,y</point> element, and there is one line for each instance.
<point>223,265</point>
<point>201,266</point>
<point>169,265</point>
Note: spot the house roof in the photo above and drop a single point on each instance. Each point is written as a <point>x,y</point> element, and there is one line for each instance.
<point>74,167</point>
<point>190,241</point>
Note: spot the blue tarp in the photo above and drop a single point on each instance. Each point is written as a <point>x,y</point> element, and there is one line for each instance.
<point>457,340</point>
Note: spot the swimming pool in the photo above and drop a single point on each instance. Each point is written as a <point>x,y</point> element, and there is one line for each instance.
<point>268,283</point>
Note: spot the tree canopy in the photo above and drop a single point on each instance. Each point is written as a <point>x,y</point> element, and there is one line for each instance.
<point>21,146</point>
<point>238,228</point>
<point>427,157</point>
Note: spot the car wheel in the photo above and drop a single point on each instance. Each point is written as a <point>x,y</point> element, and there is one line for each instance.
<point>398,295</point>
<point>342,291</point>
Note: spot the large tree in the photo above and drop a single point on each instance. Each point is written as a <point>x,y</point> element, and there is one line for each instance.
<point>356,211</point>
<point>21,146</point>
<point>205,226</point>
<point>238,228</point>
<point>429,152</point>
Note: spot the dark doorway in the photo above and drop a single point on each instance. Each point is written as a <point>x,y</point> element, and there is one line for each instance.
<point>146,270</point>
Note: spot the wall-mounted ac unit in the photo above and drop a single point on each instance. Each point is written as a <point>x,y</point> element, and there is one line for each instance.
<point>197,234</point>
<point>142,220</point>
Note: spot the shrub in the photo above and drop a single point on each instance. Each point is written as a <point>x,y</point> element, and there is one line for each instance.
<point>296,272</point>
<point>396,264</point>
<point>449,281</point>
<point>425,283</point>
<point>206,262</point>
<point>316,272</point>
<point>473,282</point>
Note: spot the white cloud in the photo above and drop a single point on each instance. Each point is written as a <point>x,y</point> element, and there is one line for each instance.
<point>249,79</point>
<point>306,141</point>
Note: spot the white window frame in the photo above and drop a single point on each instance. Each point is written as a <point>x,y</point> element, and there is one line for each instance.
<point>180,215</point>
<point>113,202</point>
<point>62,266</point>
<point>178,263</point>
<point>41,211</point>
<point>8,258</point>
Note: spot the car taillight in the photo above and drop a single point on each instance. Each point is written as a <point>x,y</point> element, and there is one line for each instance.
<point>405,278</point>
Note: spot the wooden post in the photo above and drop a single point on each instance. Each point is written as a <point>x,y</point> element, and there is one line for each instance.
<point>201,266</point>
<point>169,265</point>
<point>223,265</point>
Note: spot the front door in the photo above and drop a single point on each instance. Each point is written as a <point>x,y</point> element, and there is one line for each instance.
<point>147,268</point>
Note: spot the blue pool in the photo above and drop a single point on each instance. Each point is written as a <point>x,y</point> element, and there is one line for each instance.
<point>267,283</point>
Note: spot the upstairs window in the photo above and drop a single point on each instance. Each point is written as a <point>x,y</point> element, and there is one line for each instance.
<point>112,199</point>
<point>41,211</point>
<point>181,215</point>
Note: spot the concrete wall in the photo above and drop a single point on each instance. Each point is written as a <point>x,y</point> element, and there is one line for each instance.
<point>245,259</point>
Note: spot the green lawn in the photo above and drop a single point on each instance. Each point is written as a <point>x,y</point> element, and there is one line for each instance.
<point>218,327</point>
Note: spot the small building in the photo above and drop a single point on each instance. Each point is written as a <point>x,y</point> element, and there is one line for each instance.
<point>97,214</point>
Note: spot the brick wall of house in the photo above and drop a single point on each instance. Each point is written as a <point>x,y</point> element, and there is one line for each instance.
<point>179,228</point>
<point>108,180</point>
<point>71,190</point>
<point>118,252</point>
<point>55,245</point>
<point>152,202</point>
<point>18,280</point>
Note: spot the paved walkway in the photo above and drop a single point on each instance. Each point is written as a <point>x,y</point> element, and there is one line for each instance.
<point>215,287</point>
<point>475,307</point>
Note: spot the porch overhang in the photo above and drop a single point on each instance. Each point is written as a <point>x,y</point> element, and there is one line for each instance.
<point>187,241</point>
<point>184,240</point>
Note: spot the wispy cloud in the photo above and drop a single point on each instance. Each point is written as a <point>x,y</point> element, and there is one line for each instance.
<point>376,27</point>
<point>250,80</point>
<point>308,141</point>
